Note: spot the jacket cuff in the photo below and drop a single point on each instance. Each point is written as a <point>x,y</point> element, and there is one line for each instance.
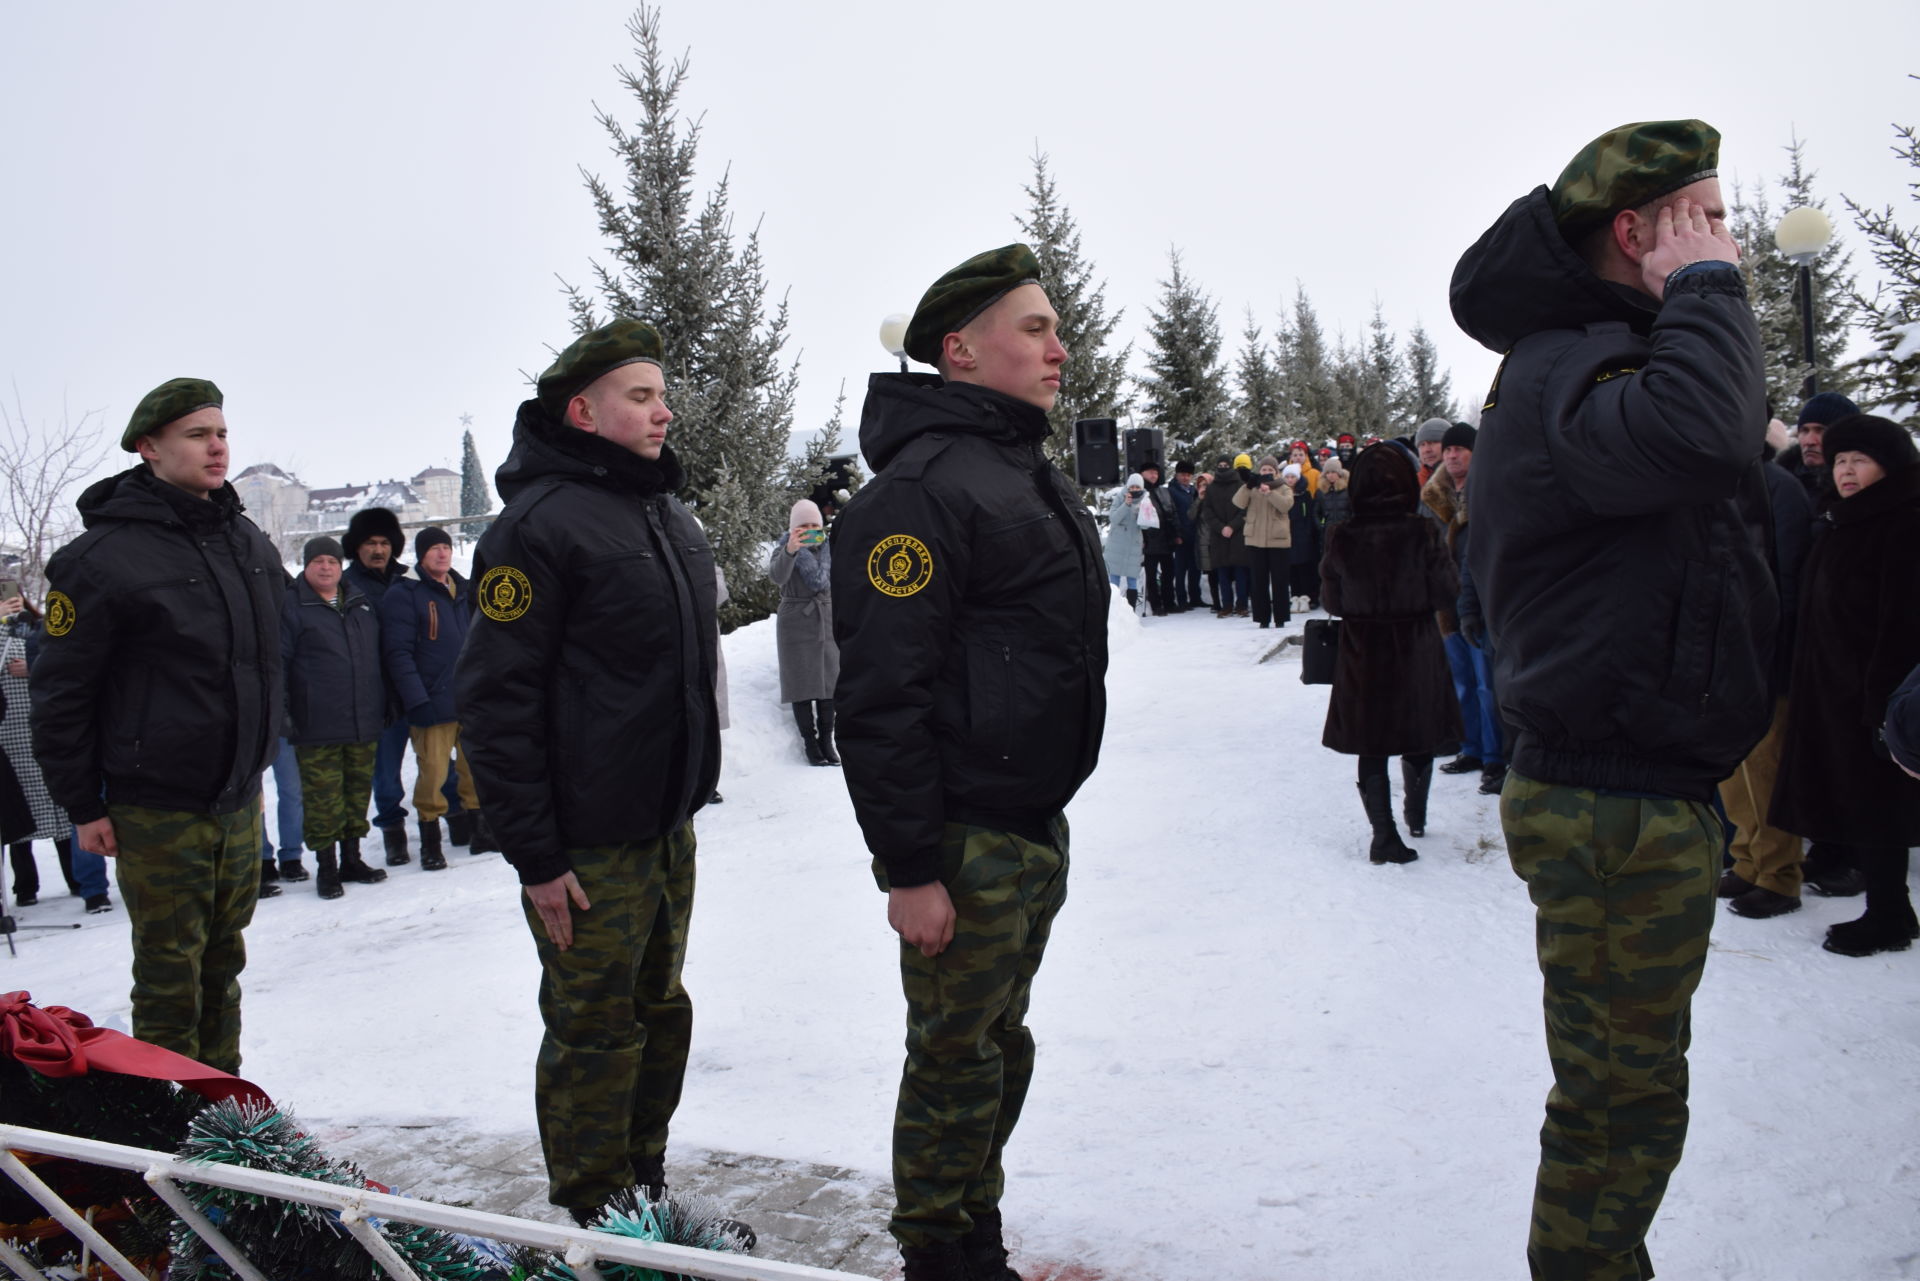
<point>1708,276</point>
<point>905,871</point>
<point>90,812</point>
<point>538,869</point>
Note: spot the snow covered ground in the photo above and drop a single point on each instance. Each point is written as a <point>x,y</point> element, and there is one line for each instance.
<point>1261,1057</point>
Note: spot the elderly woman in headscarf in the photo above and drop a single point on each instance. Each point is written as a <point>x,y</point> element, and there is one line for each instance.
<point>809,660</point>
<point>1385,574</point>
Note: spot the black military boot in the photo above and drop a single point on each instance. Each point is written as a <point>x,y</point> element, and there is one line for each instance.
<point>1133,599</point>
<point>1829,871</point>
<point>460,828</point>
<point>1417,779</point>
<point>327,883</point>
<point>396,841</point>
<point>352,869</point>
<point>985,1252</point>
<point>943,1262</point>
<point>291,870</point>
<point>827,749</point>
<point>484,841</point>
<point>809,734</point>
<point>1377,796</point>
<point>431,857</point>
<point>269,878</point>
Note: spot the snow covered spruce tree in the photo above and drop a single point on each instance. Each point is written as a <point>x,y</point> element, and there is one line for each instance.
<point>1890,377</point>
<point>1094,382</point>
<point>476,494</point>
<point>1429,387</point>
<point>1184,386</point>
<point>1259,406</point>
<point>1306,372</point>
<point>676,263</point>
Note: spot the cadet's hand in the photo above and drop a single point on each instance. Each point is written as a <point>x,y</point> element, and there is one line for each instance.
<point>1226,531</point>
<point>1475,631</point>
<point>17,667</point>
<point>97,838</point>
<point>1683,234</point>
<point>922,915</point>
<point>550,899</point>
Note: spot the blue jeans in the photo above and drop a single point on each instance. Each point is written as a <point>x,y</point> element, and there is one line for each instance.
<point>1132,584</point>
<point>388,811</point>
<point>89,868</point>
<point>1479,711</point>
<point>289,814</point>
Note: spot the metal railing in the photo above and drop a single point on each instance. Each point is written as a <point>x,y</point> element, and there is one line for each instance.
<point>359,1210</point>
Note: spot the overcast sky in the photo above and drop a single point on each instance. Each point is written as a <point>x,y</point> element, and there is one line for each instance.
<point>351,215</point>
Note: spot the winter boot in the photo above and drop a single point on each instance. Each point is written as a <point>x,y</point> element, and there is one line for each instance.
<point>484,841</point>
<point>396,841</point>
<point>1376,795</point>
<point>431,858</point>
<point>1889,923</point>
<point>809,734</point>
<point>327,884</point>
<point>460,828</point>
<point>1133,600</point>
<point>26,875</point>
<point>985,1252</point>
<point>269,878</point>
<point>827,749</point>
<point>1733,885</point>
<point>352,869</point>
<point>291,870</point>
<point>1828,870</point>
<point>1493,779</point>
<point>1417,780</point>
<point>944,1261</point>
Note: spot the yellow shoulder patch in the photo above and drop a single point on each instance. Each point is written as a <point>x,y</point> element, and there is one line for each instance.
<point>61,614</point>
<point>505,593</point>
<point>900,565</point>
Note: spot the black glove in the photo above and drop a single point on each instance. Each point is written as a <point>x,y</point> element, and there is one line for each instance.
<point>1246,476</point>
<point>1475,631</point>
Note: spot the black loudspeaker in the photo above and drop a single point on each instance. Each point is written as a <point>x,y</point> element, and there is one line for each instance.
<point>1096,452</point>
<point>1146,447</point>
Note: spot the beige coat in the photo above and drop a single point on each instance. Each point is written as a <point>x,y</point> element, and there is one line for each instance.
<point>1267,522</point>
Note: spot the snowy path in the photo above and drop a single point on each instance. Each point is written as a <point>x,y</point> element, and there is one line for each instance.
<point>1261,1057</point>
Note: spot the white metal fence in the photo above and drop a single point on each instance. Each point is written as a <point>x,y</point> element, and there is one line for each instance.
<point>581,1249</point>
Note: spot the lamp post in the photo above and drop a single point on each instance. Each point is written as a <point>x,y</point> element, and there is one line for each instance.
<point>1802,235</point>
<point>893,336</point>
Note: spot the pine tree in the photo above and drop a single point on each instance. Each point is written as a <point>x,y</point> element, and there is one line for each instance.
<point>1351,403</point>
<point>679,266</point>
<point>1185,387</point>
<point>476,497</point>
<point>1385,379</point>
<point>1771,293</point>
<point>1834,310</point>
<point>1429,387</point>
<point>1307,371</point>
<point>1093,383</point>
<point>1260,407</point>
<point>1890,381</point>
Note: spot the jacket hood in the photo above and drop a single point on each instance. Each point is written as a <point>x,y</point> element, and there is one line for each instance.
<point>543,448</point>
<point>1522,277</point>
<point>1384,482</point>
<point>137,494</point>
<point>902,407</point>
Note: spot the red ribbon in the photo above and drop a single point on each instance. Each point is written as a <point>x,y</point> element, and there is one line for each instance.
<point>56,1041</point>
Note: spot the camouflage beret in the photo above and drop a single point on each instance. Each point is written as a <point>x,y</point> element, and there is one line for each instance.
<point>958,297</point>
<point>174,398</point>
<point>592,354</point>
<point>1625,168</point>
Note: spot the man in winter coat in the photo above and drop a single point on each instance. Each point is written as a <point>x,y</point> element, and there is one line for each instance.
<point>336,708</point>
<point>373,544</point>
<point>1807,458</point>
<point>1223,522</point>
<point>1619,549</point>
<point>1429,439</point>
<point>971,611</point>
<point>1186,550</point>
<point>1444,499</point>
<point>157,704</point>
<point>586,696</point>
<point>423,622</point>
<point>1157,543</point>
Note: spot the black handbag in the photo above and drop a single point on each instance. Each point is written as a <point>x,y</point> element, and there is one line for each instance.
<point>1319,651</point>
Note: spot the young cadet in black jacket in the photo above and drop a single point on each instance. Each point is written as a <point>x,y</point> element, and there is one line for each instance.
<point>586,703</point>
<point>1619,548</point>
<point>157,704</point>
<point>970,606</point>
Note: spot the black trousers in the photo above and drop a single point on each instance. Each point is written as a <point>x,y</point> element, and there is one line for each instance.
<point>1158,571</point>
<point>1186,577</point>
<point>1270,601</point>
<point>1305,579</point>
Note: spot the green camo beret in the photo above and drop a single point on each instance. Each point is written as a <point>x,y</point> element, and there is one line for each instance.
<point>1627,167</point>
<point>966,291</point>
<point>174,398</point>
<point>622,342</point>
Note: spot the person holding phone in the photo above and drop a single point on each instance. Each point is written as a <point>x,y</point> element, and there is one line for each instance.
<point>809,660</point>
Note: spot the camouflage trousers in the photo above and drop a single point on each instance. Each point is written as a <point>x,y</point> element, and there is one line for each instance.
<point>336,781</point>
<point>1624,892</point>
<point>189,882</point>
<point>969,1053</point>
<point>618,1021</point>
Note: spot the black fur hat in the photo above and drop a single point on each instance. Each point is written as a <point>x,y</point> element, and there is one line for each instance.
<point>374,522</point>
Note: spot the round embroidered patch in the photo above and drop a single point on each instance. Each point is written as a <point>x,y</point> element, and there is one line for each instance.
<point>505,593</point>
<point>900,565</point>
<point>61,614</point>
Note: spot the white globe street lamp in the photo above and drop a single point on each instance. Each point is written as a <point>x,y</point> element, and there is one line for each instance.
<point>1802,235</point>
<point>893,336</point>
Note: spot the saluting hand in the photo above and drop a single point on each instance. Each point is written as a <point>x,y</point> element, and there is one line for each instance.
<point>922,915</point>
<point>1682,234</point>
<point>551,899</point>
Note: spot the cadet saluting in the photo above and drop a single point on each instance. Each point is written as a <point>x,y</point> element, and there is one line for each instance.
<point>971,614</point>
<point>585,695</point>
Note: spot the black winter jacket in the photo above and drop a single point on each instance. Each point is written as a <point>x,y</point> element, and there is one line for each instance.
<point>423,624</point>
<point>331,657</point>
<point>586,690</point>
<point>1621,534</point>
<point>159,676</point>
<point>970,606</point>
<point>1160,540</point>
<point>374,586</point>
